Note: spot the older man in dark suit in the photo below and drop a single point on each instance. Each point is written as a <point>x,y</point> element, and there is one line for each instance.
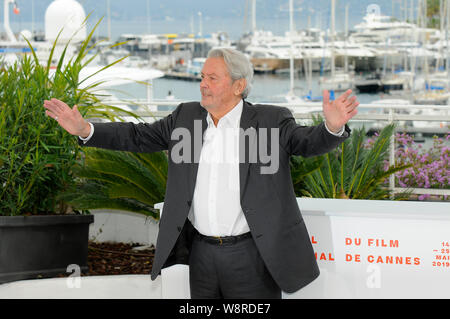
<point>230,210</point>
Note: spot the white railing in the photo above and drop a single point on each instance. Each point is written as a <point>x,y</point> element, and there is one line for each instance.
<point>388,113</point>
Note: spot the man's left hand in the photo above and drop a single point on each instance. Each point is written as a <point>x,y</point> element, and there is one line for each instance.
<point>338,112</point>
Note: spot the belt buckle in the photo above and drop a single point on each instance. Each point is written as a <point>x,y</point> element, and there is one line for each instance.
<point>220,239</point>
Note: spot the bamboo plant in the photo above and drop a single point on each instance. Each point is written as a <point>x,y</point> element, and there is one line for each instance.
<point>37,156</point>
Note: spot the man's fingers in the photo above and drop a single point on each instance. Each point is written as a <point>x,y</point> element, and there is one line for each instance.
<point>51,114</point>
<point>352,113</point>
<point>345,95</point>
<point>49,105</point>
<point>326,97</point>
<point>54,106</point>
<point>350,101</point>
<point>59,104</point>
<point>352,107</point>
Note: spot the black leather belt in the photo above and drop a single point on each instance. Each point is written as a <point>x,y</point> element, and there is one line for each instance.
<point>217,240</point>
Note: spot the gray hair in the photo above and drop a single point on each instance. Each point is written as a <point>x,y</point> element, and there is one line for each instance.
<point>238,65</point>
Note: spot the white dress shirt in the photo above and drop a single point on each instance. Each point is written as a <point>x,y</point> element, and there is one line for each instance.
<point>216,208</point>
<point>90,134</point>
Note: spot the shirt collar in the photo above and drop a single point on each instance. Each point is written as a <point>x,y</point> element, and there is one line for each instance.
<point>233,116</point>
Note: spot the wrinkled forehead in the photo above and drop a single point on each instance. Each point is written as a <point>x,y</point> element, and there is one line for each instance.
<point>215,66</point>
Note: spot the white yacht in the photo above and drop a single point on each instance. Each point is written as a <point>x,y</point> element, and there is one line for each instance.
<point>378,26</point>
<point>274,55</point>
<point>393,40</point>
<point>338,82</point>
<point>399,81</point>
<point>433,89</point>
<point>318,53</point>
<point>360,57</point>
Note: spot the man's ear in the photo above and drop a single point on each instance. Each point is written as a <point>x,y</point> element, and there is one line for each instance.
<point>241,84</point>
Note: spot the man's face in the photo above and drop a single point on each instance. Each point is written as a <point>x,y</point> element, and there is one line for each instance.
<point>216,87</point>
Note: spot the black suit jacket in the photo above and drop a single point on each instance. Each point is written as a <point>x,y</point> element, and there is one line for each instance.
<point>267,200</point>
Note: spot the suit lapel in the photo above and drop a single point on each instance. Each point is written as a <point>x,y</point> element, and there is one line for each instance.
<point>248,120</point>
<point>193,167</point>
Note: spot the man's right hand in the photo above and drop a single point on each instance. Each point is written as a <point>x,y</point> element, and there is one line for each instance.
<point>70,119</point>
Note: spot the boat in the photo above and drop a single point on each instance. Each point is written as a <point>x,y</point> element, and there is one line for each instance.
<point>270,56</point>
<point>299,105</point>
<point>190,72</point>
<point>435,90</point>
<point>92,74</point>
<point>397,81</point>
<point>358,56</point>
<point>318,55</point>
<point>432,98</point>
<point>394,40</point>
<point>369,84</point>
<point>339,80</point>
<point>378,26</point>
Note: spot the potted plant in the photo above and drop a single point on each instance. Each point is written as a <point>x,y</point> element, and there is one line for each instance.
<point>40,234</point>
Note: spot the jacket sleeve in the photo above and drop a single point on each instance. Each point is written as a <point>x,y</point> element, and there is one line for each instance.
<point>132,137</point>
<point>306,141</point>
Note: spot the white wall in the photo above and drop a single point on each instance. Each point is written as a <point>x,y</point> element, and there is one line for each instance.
<point>121,226</point>
<point>365,249</point>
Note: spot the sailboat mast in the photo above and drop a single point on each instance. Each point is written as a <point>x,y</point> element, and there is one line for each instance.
<point>446,40</point>
<point>148,18</point>
<point>108,11</point>
<point>253,16</point>
<point>332,37</point>
<point>345,38</point>
<point>291,33</point>
<point>6,25</point>
<point>32,17</point>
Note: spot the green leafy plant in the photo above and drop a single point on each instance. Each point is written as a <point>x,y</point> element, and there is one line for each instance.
<point>36,155</point>
<point>120,180</point>
<point>353,170</point>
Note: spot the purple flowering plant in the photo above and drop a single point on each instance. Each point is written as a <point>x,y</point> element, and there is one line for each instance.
<point>430,167</point>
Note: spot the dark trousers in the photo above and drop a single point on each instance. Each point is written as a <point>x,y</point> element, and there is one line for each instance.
<point>231,271</point>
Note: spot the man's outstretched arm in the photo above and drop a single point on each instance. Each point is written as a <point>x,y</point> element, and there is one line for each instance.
<point>316,140</point>
<point>141,137</point>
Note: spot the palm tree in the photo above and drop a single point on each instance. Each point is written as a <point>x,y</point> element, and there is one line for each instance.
<point>120,181</point>
<point>353,170</point>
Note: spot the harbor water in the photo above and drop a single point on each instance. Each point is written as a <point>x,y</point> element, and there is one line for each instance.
<point>266,88</point>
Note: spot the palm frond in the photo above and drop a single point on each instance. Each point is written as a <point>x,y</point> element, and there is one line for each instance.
<point>350,171</point>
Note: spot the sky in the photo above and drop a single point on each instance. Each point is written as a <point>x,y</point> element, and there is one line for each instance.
<point>176,14</point>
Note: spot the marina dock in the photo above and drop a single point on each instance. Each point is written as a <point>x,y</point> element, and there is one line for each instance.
<point>182,76</point>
